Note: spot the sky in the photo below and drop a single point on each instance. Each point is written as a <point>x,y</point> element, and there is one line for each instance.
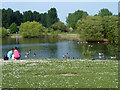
<point>63,8</point>
<point>59,0</point>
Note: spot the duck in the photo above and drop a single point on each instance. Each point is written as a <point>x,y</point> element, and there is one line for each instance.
<point>26,55</point>
<point>64,56</point>
<point>29,51</point>
<point>113,57</point>
<point>90,45</point>
<point>34,54</point>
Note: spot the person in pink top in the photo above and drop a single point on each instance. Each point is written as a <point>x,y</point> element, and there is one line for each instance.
<point>16,53</point>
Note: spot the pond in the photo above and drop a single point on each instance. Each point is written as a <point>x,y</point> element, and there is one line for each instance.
<point>56,48</point>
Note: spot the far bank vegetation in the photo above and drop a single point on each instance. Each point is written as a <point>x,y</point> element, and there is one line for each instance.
<point>103,25</point>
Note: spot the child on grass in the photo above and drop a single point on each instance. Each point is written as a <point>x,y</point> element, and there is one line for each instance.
<point>9,54</point>
<point>16,53</point>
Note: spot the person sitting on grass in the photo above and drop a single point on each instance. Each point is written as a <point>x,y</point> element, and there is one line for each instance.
<point>9,54</point>
<point>16,53</point>
<point>101,55</point>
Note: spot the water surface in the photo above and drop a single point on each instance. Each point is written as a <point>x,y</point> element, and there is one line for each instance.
<point>55,48</point>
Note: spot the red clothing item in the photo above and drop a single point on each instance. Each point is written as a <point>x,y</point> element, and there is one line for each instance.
<point>16,54</point>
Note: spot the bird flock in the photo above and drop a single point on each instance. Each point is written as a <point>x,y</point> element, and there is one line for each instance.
<point>28,53</point>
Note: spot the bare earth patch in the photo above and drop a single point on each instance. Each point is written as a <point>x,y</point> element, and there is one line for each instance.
<point>60,74</point>
<point>68,74</point>
<point>43,75</point>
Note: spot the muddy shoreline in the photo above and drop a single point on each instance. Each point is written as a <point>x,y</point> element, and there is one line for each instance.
<point>68,37</point>
<point>15,36</point>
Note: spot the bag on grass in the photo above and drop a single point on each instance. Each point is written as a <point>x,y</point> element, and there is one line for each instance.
<point>5,57</point>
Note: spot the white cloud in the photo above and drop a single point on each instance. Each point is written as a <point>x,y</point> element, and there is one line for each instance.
<point>59,0</point>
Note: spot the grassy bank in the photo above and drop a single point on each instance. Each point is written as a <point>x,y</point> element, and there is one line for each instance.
<point>60,35</point>
<point>60,73</point>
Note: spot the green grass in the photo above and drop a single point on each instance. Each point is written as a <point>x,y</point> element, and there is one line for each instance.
<point>60,73</point>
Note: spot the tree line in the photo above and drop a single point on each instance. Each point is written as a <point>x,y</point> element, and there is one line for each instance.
<point>103,25</point>
<point>12,19</point>
<point>46,19</point>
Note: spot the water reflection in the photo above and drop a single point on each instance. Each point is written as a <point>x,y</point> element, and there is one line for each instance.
<point>54,48</point>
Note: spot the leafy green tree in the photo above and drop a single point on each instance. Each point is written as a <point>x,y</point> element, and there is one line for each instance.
<point>52,32</point>
<point>44,19</point>
<point>13,28</point>
<point>95,15</point>
<point>36,16</point>
<point>36,29</point>
<point>104,12</point>
<point>110,26</point>
<point>59,26</point>
<point>7,16</point>
<point>56,33</point>
<point>17,18</point>
<point>24,29</point>
<point>27,16</point>
<point>95,28</point>
<point>31,29</point>
<point>3,32</point>
<point>113,49</point>
<point>52,16</point>
<point>90,29</point>
<point>74,17</point>
<point>119,14</point>
<point>46,32</point>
